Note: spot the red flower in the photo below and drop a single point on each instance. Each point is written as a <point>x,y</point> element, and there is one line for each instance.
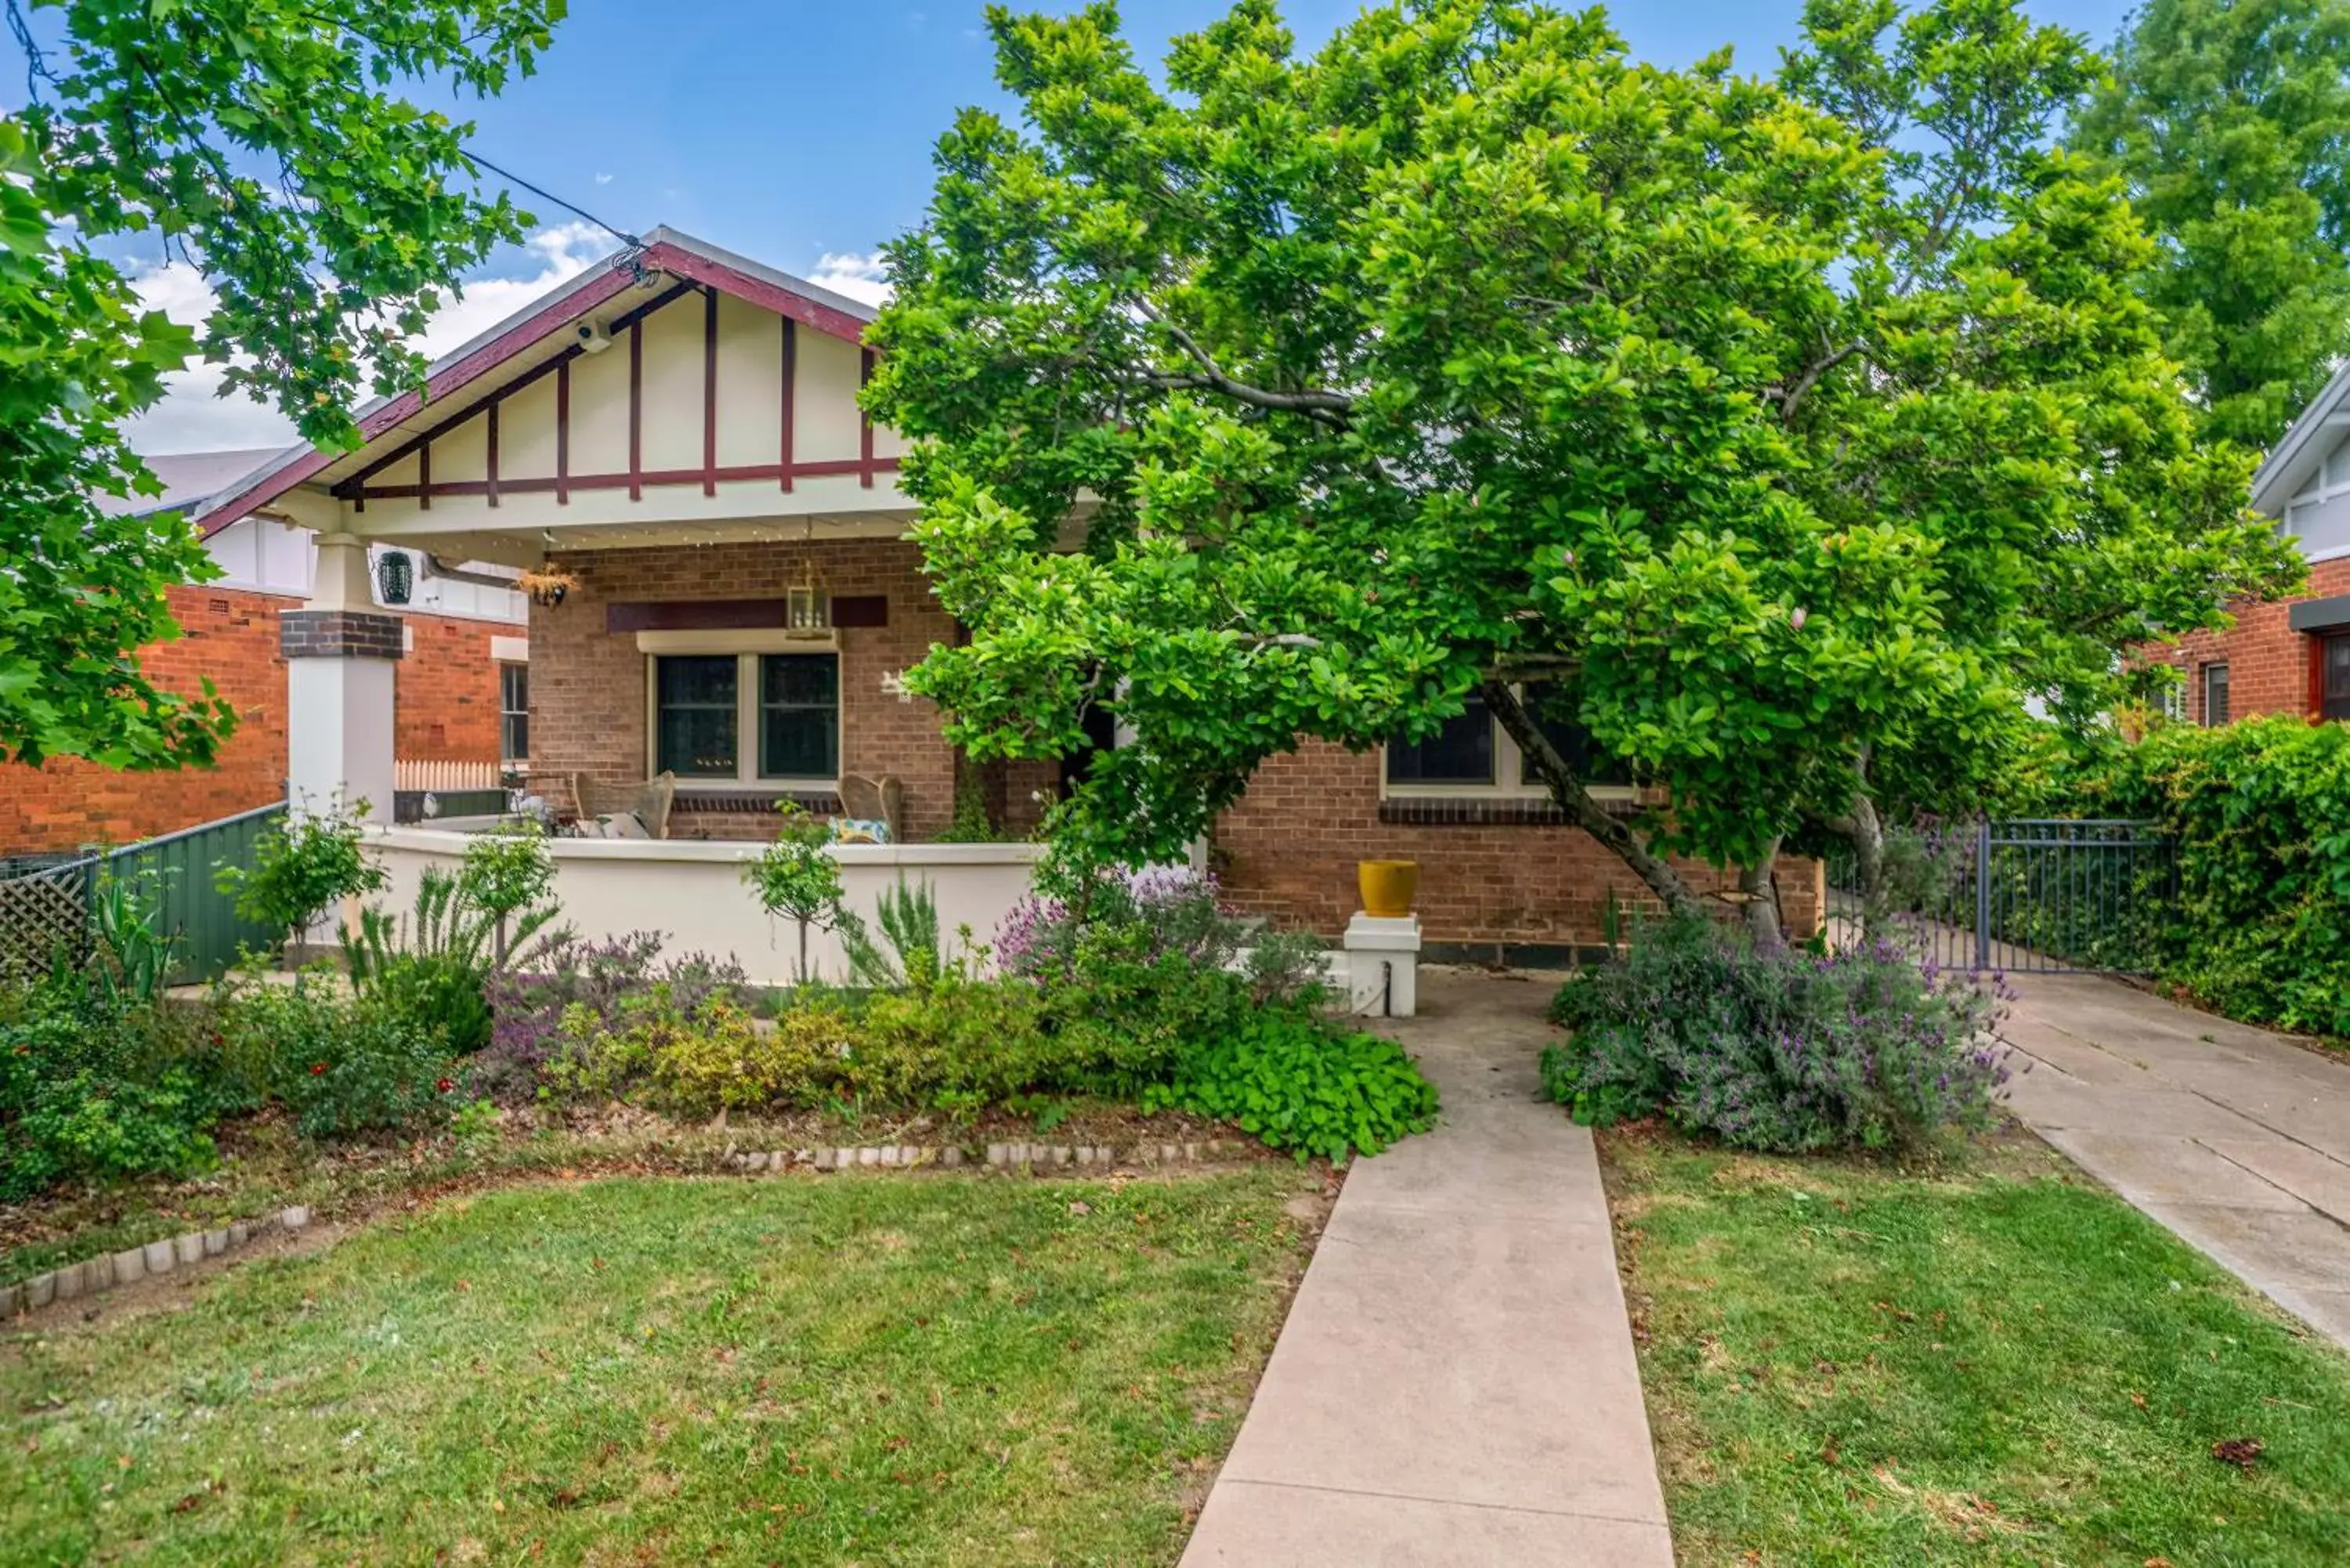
<point>317,1069</point>
<point>445,1084</point>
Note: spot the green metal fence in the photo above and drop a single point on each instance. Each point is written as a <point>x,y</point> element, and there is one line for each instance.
<point>44,908</point>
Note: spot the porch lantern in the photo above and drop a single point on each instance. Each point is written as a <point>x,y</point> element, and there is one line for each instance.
<point>395,575</point>
<point>807,608</point>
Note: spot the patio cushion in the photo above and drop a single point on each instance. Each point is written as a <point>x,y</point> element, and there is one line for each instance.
<point>861,830</point>
<point>617,825</point>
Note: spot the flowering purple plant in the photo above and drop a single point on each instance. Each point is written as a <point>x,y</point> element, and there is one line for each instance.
<point>1781,1049</point>
<point>527,1010</point>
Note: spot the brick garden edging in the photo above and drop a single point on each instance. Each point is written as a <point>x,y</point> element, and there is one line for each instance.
<point>153,1261</point>
<point>905,1156</point>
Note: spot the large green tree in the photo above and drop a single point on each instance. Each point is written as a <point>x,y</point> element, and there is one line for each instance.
<point>2231,119</point>
<point>265,142</point>
<point>1784,436</point>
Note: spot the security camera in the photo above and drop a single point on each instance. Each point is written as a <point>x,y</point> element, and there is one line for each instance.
<point>593,338</point>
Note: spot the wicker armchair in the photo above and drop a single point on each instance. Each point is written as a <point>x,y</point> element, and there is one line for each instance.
<point>650,800</point>
<point>879,799</point>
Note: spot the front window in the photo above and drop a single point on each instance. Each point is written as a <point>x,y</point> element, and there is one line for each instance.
<point>514,713</point>
<point>2335,699</point>
<point>2215,695</point>
<point>747,717</point>
<point>1473,754</point>
<point>1462,752</point>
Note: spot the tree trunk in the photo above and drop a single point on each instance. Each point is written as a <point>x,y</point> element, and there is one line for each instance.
<point>1567,790</point>
<point>1759,886</point>
<point>1868,852</point>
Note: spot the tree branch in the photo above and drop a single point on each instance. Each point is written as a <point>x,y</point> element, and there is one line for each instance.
<point>1792,399</point>
<point>1331,407</point>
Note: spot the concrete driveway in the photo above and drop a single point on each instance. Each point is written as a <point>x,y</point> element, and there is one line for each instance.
<point>1456,1381</point>
<point>2236,1140</point>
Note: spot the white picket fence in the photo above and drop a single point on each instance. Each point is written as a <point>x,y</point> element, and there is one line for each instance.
<point>440,774</point>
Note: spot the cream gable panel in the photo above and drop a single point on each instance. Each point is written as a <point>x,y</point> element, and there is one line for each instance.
<point>750,384</point>
<point>826,425</point>
<point>672,391</point>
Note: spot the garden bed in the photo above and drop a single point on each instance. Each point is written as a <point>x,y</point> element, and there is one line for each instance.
<point>956,1370</point>
<point>1979,1359</point>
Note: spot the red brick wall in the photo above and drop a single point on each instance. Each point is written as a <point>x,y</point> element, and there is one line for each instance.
<point>2268,662</point>
<point>1289,847</point>
<point>588,686</point>
<point>231,635</point>
<point>445,692</point>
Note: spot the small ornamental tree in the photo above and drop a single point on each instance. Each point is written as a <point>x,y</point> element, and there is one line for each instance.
<point>506,872</point>
<point>1784,436</point>
<point>797,878</point>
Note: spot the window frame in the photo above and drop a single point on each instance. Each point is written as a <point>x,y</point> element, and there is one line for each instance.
<point>748,709</point>
<point>1513,780</point>
<point>2325,645</point>
<point>507,756</point>
<point>2203,674</point>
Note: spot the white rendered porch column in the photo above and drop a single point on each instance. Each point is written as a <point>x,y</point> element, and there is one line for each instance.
<point>340,653</point>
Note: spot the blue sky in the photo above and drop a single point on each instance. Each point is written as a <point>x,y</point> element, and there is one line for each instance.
<point>800,134</point>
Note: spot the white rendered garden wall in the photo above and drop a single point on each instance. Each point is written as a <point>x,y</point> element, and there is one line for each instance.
<point>693,893</point>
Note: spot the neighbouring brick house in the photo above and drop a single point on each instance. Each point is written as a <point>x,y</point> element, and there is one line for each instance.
<point>723,591</point>
<point>2291,657</point>
<point>461,638</point>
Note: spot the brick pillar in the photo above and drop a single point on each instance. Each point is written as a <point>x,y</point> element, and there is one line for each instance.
<point>339,657</point>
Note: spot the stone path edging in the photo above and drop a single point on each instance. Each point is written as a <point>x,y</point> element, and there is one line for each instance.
<point>93,1276</point>
<point>1033,1156</point>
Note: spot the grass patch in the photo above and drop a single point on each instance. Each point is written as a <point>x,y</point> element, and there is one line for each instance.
<point>916,1370</point>
<point>1993,1362</point>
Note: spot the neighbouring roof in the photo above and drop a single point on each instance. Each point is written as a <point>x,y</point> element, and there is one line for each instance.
<point>190,480</point>
<point>532,335</point>
<point>2300,451</point>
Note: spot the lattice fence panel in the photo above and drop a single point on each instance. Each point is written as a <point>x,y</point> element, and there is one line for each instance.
<point>39,912</point>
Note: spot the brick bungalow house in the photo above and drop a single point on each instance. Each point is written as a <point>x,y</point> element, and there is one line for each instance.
<point>2291,657</point>
<point>724,592</point>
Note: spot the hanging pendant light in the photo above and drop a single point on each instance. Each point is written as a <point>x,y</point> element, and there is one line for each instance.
<point>807,607</point>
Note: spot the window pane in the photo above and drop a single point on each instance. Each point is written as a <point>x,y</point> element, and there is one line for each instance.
<point>1574,743</point>
<point>513,687</point>
<point>799,716</point>
<point>2215,694</point>
<point>2337,677</point>
<point>514,737</point>
<point>702,681</point>
<point>694,735</point>
<point>1460,752</point>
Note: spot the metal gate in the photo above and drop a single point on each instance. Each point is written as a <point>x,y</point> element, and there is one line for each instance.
<point>46,906</point>
<point>2023,895</point>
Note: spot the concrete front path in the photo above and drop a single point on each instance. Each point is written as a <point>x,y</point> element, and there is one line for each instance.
<point>2237,1140</point>
<point>1456,1382</point>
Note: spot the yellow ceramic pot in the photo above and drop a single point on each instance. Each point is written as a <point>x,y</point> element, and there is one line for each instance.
<point>1387,886</point>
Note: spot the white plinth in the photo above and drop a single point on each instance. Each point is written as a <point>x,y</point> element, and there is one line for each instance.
<point>1383,965</point>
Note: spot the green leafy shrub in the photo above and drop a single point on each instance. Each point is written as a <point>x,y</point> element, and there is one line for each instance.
<point>1782,1049</point>
<point>340,1066</point>
<point>795,879</point>
<point>1296,1084</point>
<point>2258,813</point>
<point>301,866</point>
<point>506,879</point>
<point>93,1094</point>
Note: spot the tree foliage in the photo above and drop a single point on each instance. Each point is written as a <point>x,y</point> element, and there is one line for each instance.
<point>1783,435</point>
<point>2230,121</point>
<point>265,142</point>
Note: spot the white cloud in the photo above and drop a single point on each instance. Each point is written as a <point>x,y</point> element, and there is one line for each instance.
<point>603,179</point>
<point>858,277</point>
<point>192,417</point>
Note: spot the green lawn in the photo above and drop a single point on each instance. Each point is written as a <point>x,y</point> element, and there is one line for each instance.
<point>840,1370</point>
<point>1998,1362</point>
